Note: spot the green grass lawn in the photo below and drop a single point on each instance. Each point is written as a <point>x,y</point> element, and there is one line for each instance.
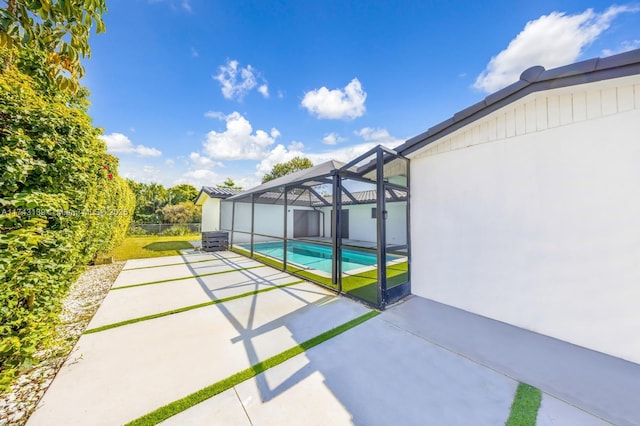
<point>152,246</point>
<point>526,404</point>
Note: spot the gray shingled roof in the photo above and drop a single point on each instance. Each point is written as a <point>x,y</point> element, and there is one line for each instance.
<point>534,79</point>
<point>215,192</point>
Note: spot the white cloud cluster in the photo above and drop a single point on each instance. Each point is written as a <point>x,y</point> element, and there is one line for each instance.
<point>237,81</point>
<point>238,141</point>
<point>379,136</point>
<point>201,177</point>
<point>117,143</point>
<point>552,40</point>
<point>144,173</point>
<point>333,139</point>
<point>281,154</point>
<point>203,162</point>
<point>347,103</point>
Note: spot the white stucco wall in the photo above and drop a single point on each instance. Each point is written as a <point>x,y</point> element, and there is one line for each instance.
<point>211,214</point>
<point>363,228</point>
<point>532,216</point>
<point>225,214</point>
<point>269,221</point>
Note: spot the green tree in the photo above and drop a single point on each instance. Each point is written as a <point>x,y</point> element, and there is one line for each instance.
<point>150,199</point>
<point>61,204</point>
<point>283,169</point>
<point>58,28</point>
<point>181,193</point>
<point>185,212</point>
<point>229,184</point>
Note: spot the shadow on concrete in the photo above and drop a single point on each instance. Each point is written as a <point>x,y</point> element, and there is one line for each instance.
<point>249,332</point>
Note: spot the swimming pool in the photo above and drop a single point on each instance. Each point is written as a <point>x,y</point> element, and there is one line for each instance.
<point>316,256</point>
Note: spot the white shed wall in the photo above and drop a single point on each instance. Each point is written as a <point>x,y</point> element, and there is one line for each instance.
<point>532,216</point>
<point>211,214</point>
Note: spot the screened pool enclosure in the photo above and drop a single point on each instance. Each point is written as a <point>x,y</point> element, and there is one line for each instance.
<point>329,224</point>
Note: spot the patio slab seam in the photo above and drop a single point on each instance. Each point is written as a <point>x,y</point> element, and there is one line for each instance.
<point>187,308</point>
<point>180,405</point>
<point>168,280</point>
<point>180,263</point>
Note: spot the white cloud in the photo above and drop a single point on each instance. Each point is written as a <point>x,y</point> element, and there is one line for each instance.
<point>186,5</point>
<point>146,174</point>
<point>238,141</point>
<point>625,46</point>
<point>201,175</point>
<point>379,136</point>
<point>117,143</point>
<point>345,154</point>
<point>236,81</point>
<point>347,103</point>
<point>203,162</point>
<point>372,137</point>
<point>264,90</point>
<point>332,139</point>
<point>198,178</point>
<point>296,146</point>
<point>169,162</point>
<point>194,52</point>
<point>279,154</point>
<point>215,114</point>
<point>552,40</point>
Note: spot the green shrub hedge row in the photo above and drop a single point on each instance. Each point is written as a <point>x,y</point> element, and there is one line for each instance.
<point>61,204</point>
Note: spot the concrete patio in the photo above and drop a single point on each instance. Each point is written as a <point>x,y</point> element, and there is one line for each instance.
<point>413,364</point>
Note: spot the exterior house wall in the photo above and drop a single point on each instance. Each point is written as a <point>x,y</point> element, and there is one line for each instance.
<point>269,221</point>
<point>225,214</point>
<point>211,214</point>
<point>363,227</point>
<point>531,216</point>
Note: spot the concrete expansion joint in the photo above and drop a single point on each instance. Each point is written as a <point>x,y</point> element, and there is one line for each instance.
<point>242,405</point>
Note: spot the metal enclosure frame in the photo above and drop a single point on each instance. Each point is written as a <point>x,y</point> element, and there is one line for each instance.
<point>301,189</point>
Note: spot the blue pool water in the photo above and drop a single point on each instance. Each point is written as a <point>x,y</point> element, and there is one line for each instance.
<point>316,256</point>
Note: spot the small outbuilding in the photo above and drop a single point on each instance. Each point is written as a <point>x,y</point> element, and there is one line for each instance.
<point>209,198</point>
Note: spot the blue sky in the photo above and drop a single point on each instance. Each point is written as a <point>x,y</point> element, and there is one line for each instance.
<point>195,91</point>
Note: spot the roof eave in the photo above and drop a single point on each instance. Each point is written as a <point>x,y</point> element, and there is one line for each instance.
<point>534,79</point>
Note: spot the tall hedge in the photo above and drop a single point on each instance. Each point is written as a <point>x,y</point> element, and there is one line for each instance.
<point>61,203</point>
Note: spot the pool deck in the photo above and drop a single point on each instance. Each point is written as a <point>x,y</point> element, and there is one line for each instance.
<point>416,361</point>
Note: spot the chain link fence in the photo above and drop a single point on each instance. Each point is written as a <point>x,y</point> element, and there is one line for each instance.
<point>164,228</point>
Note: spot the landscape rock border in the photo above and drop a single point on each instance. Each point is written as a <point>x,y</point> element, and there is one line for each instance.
<point>81,303</point>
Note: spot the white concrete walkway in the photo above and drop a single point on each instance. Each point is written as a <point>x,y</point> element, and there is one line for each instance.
<point>117,375</point>
<point>387,370</point>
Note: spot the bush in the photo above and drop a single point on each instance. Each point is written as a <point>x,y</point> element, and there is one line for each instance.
<point>61,204</point>
<point>185,212</point>
<point>137,231</point>
<point>177,230</point>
